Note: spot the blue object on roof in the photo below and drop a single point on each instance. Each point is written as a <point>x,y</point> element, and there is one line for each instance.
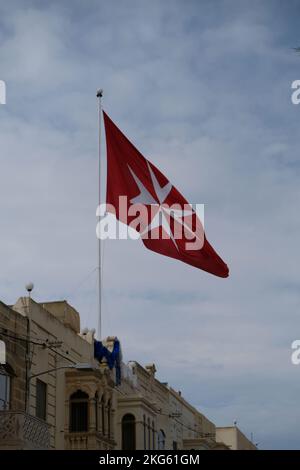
<point>113,357</point>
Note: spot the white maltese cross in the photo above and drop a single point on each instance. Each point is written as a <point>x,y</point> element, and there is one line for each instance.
<point>163,213</point>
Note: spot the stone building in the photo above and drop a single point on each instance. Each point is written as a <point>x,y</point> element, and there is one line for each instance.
<point>233,437</point>
<point>151,415</point>
<point>18,429</point>
<point>61,389</point>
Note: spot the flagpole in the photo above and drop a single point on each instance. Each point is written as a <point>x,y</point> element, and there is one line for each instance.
<point>99,333</point>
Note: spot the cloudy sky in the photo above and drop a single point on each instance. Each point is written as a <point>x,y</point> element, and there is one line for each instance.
<point>203,89</point>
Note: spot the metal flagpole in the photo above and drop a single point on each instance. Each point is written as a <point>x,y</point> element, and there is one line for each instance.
<point>99,96</point>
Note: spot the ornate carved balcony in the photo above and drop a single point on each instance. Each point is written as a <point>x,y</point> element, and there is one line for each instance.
<point>19,430</point>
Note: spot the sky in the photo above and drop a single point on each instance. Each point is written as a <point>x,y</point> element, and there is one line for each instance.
<point>203,89</point>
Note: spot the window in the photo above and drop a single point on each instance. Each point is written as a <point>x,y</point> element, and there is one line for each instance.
<point>161,440</point>
<point>79,412</point>
<point>174,445</point>
<point>128,432</point>
<point>41,400</point>
<point>5,386</point>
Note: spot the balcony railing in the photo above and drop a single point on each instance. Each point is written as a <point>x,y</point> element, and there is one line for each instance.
<point>19,430</point>
<point>92,440</point>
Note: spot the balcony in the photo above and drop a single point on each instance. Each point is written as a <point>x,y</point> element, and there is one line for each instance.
<point>92,440</point>
<point>18,430</point>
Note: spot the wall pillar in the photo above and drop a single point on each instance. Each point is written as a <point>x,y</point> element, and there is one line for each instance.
<point>92,414</point>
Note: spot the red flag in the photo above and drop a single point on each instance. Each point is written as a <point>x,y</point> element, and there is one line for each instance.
<point>142,197</point>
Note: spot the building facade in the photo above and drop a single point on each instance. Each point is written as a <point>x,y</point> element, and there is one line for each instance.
<point>157,415</point>
<point>61,389</point>
<point>233,437</point>
<point>18,429</point>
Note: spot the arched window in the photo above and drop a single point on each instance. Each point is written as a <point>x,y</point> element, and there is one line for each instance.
<point>128,432</point>
<point>161,440</point>
<point>6,374</point>
<point>79,411</point>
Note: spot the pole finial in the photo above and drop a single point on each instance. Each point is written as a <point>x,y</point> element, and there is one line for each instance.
<point>99,93</point>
